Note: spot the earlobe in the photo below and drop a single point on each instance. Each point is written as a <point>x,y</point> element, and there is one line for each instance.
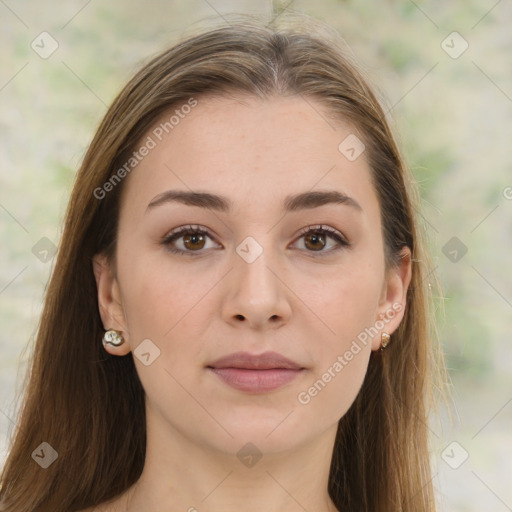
<point>109,302</point>
<point>394,296</point>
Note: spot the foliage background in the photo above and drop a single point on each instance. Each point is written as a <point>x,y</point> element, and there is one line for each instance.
<point>453,119</point>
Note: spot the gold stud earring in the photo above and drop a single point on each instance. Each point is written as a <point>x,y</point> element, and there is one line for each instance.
<point>112,337</point>
<point>385,338</point>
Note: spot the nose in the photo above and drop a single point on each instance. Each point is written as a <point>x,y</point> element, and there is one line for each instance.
<point>257,294</point>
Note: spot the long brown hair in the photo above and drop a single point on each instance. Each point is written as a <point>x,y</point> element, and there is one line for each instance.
<point>89,405</point>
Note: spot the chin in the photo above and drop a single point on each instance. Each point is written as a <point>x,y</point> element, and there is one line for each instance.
<point>271,431</point>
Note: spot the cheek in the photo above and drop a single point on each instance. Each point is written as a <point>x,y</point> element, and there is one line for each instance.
<point>347,304</point>
<point>341,355</point>
<point>331,393</point>
<point>158,296</point>
<point>347,307</point>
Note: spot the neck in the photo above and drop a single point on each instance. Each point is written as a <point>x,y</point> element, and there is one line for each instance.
<point>182,475</point>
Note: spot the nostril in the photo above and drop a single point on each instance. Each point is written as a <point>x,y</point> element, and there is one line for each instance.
<point>240,317</point>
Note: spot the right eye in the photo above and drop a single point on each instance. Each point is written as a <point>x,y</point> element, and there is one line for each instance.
<point>192,239</point>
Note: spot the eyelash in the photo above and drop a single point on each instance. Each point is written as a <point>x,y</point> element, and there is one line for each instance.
<point>195,230</point>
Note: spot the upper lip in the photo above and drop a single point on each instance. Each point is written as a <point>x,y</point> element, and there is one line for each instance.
<point>265,361</point>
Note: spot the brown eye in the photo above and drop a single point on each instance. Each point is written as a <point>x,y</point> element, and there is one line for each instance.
<point>315,241</point>
<point>196,241</point>
<point>188,240</point>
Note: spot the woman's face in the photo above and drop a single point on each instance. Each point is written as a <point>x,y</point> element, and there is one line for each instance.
<point>252,282</point>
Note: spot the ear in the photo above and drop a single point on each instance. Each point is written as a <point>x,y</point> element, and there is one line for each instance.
<point>393,297</point>
<point>109,303</point>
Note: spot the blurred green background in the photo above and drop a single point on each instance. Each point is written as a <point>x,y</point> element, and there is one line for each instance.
<point>452,115</point>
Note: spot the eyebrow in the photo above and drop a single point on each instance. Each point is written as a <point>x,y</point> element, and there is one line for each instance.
<point>303,201</point>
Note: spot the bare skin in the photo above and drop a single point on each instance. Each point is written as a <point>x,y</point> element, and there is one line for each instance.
<point>306,298</point>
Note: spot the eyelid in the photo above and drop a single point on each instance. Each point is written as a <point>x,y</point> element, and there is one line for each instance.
<point>196,228</point>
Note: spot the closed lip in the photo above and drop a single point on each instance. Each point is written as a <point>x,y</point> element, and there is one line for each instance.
<point>247,361</point>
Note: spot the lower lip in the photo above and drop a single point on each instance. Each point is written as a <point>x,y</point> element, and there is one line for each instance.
<point>256,380</point>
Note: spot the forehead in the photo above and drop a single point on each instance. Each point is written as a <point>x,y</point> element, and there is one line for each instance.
<point>253,149</point>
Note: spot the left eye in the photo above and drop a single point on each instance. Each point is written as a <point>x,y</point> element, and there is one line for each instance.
<point>314,235</point>
<point>193,239</point>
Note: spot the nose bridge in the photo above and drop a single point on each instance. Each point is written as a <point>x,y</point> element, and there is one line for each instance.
<point>252,268</point>
<point>256,293</point>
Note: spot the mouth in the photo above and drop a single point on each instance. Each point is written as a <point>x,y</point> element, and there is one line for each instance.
<point>256,373</point>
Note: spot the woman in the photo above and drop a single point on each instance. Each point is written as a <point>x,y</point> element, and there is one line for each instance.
<point>239,313</point>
